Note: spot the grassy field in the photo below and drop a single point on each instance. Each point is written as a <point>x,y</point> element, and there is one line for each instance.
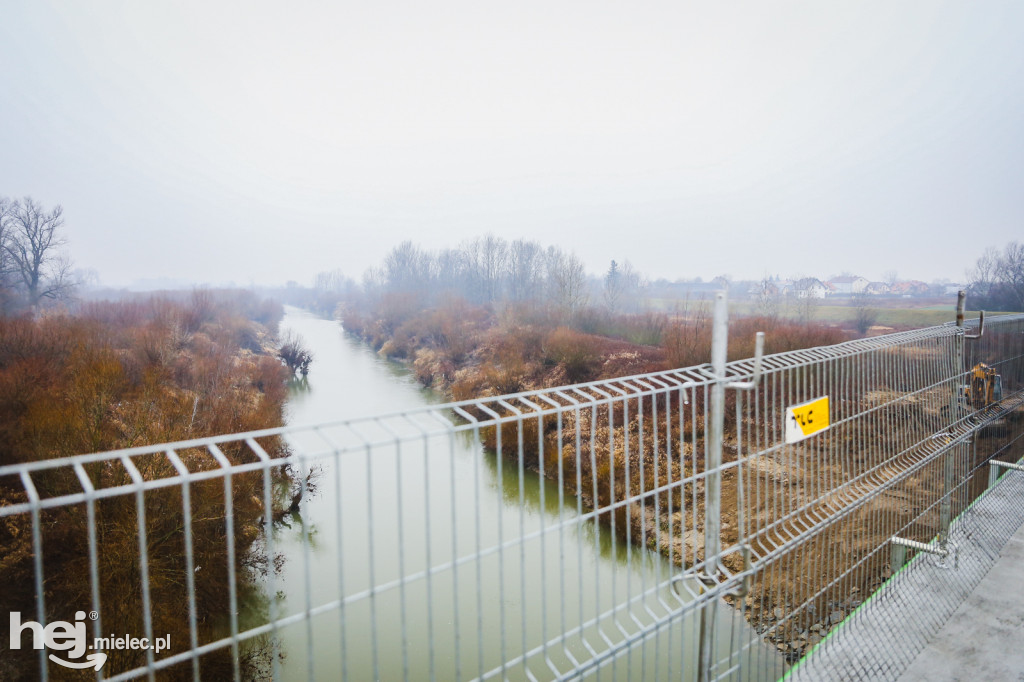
<point>898,314</point>
<point>887,317</point>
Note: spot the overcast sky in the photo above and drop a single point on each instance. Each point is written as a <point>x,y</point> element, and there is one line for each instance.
<point>261,142</point>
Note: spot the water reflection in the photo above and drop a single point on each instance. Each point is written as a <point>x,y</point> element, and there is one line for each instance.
<point>298,385</point>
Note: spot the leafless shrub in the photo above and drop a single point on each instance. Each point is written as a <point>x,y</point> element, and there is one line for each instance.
<point>295,354</point>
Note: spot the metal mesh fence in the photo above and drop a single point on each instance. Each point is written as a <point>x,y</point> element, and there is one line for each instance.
<point>692,524</point>
<point>834,517</point>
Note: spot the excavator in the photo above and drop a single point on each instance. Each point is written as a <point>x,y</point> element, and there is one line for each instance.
<point>984,387</point>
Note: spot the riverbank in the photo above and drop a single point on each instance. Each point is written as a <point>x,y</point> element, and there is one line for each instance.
<point>610,455</point>
<point>468,352</point>
<point>411,505</point>
<point>121,374</point>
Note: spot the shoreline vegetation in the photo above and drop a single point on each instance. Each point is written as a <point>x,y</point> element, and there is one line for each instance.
<point>494,317</point>
<point>118,374</point>
<point>467,351</point>
<point>471,339</point>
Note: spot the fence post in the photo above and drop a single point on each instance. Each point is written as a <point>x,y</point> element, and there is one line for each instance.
<point>993,475</point>
<point>948,464</point>
<point>899,557</point>
<point>713,482</point>
<point>713,466</point>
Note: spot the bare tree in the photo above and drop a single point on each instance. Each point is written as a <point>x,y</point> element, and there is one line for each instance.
<point>486,257</point>
<point>525,270</point>
<point>407,269</point>
<point>890,277</point>
<point>450,270</point>
<point>622,287</point>
<point>806,291</point>
<point>6,225</point>
<point>983,275</point>
<point>997,279</point>
<point>768,298</point>
<point>7,294</point>
<point>294,353</point>
<point>33,249</point>
<point>636,287</point>
<point>333,281</point>
<point>1010,272</point>
<point>865,315</point>
<point>806,309</point>
<point>567,280</point>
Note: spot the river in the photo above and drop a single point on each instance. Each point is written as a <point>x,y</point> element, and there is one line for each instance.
<point>399,511</point>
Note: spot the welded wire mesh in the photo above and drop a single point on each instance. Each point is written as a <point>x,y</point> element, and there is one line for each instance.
<point>580,531</point>
<point>834,517</point>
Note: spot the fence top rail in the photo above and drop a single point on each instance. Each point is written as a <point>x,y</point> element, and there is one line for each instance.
<point>808,356</point>
<point>991,318</point>
<point>490,410</point>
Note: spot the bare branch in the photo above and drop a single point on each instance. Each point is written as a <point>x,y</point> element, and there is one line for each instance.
<point>31,243</point>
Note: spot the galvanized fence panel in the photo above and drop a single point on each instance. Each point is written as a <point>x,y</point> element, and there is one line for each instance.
<point>833,516</point>
<point>947,519</point>
<point>654,526</point>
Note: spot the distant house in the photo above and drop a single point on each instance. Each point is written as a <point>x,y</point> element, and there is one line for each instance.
<point>810,287</point>
<point>744,288</point>
<point>755,289</point>
<point>876,289</point>
<point>849,285</point>
<point>953,289</point>
<point>910,288</point>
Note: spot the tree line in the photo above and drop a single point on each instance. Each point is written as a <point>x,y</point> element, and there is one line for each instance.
<point>997,280</point>
<point>490,269</point>
<point>487,271</point>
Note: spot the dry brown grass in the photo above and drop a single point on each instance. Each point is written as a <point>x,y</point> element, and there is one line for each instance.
<point>116,376</point>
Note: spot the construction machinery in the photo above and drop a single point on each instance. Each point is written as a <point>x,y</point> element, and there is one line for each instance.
<point>984,387</point>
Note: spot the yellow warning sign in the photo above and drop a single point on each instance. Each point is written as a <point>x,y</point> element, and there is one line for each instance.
<point>806,419</point>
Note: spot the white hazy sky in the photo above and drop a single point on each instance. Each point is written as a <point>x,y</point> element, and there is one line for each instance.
<point>260,142</point>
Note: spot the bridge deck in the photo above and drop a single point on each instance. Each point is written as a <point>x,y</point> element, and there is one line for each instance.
<point>967,622</point>
<point>982,641</point>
